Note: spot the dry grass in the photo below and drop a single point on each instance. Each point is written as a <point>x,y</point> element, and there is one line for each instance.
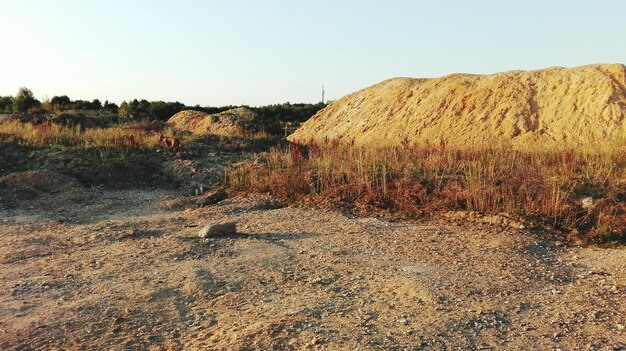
<point>542,188</point>
<point>120,138</point>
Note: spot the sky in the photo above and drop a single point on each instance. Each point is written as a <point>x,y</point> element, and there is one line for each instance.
<point>235,52</point>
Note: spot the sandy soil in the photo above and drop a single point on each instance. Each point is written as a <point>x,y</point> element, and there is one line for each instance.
<point>123,270</point>
<point>230,123</point>
<point>535,110</point>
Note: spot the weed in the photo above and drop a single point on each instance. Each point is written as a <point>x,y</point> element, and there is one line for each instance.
<point>420,180</point>
<point>125,138</point>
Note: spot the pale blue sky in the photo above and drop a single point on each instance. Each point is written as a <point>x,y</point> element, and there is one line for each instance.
<point>260,52</point>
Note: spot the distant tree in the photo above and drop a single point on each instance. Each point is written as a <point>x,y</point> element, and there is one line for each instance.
<point>288,112</point>
<point>62,101</point>
<point>109,106</point>
<point>143,106</point>
<point>24,100</point>
<point>80,105</point>
<point>6,104</point>
<point>123,110</point>
<point>159,110</point>
<point>128,110</point>
<point>162,111</point>
<point>96,104</point>
<point>211,109</point>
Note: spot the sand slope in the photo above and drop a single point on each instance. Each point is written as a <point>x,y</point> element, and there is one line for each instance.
<point>233,122</point>
<point>582,106</point>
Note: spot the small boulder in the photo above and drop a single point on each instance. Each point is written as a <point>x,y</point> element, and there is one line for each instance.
<point>212,198</point>
<point>218,229</point>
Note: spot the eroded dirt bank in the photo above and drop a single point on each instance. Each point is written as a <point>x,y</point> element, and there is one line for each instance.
<point>123,270</point>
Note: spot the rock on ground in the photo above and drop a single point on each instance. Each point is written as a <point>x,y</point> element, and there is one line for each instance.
<point>218,229</point>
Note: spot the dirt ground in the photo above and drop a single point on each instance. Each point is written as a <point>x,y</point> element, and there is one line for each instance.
<point>95,269</point>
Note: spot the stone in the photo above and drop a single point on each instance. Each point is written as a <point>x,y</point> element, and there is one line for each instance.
<point>218,229</point>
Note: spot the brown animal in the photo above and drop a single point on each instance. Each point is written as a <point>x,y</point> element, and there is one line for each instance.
<point>170,143</point>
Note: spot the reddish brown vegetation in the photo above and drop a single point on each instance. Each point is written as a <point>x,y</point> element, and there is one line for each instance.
<point>542,188</point>
<point>47,134</point>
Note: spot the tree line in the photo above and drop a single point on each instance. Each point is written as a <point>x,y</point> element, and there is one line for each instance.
<point>25,102</point>
<point>140,109</point>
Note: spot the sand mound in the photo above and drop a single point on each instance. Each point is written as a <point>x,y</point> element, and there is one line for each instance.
<point>235,122</point>
<point>554,107</point>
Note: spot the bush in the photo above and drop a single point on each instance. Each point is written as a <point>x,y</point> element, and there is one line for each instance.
<point>541,188</point>
<point>24,100</point>
<point>6,104</point>
<point>61,101</point>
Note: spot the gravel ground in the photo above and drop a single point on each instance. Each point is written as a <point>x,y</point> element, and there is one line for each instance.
<point>123,270</point>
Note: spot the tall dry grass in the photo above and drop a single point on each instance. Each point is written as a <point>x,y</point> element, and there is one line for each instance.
<point>544,188</point>
<point>119,138</point>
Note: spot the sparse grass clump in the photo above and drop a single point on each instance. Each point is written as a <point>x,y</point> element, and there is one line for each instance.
<point>543,188</point>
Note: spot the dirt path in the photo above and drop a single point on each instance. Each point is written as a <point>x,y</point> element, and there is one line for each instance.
<point>126,272</point>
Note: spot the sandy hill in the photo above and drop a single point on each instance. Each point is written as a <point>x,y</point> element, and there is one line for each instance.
<point>551,107</point>
<point>234,122</point>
